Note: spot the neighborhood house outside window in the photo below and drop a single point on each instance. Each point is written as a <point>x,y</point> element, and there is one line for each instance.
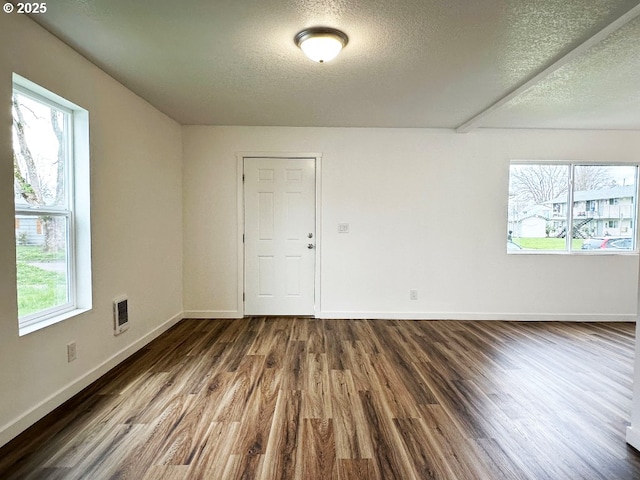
<point>44,194</point>
<point>603,200</point>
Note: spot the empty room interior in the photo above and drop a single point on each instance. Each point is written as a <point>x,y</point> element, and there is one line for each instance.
<point>228,253</point>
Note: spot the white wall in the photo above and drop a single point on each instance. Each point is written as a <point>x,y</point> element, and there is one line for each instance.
<point>136,208</point>
<point>427,211</point>
<point>633,430</point>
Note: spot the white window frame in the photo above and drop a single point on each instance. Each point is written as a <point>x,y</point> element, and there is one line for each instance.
<point>569,250</point>
<point>76,210</point>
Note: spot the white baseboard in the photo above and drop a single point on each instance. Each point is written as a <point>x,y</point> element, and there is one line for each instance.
<point>633,437</point>
<point>528,317</point>
<point>24,421</point>
<point>212,314</point>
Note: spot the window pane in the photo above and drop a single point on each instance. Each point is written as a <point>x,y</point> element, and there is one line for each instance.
<point>40,146</point>
<point>537,215</point>
<point>42,263</point>
<point>604,203</point>
<point>47,263</point>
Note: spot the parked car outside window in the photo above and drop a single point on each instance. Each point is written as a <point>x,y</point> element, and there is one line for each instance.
<point>613,243</point>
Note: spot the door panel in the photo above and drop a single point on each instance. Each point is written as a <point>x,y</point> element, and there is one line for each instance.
<point>266,215</point>
<point>266,276</point>
<point>279,199</point>
<point>293,281</point>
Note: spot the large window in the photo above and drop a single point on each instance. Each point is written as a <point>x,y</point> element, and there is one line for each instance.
<point>44,148</point>
<point>571,208</point>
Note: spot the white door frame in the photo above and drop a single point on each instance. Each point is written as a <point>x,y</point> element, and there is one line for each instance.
<point>240,156</point>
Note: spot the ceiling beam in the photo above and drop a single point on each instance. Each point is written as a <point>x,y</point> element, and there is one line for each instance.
<point>579,50</point>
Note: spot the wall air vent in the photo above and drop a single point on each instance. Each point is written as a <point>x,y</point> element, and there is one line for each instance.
<point>120,315</point>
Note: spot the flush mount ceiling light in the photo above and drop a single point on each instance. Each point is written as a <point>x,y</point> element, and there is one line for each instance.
<point>321,44</point>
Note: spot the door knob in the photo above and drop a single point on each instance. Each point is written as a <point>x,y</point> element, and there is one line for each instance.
<point>310,246</point>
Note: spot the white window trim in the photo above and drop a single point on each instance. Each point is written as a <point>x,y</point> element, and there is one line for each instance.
<point>568,246</point>
<point>77,212</point>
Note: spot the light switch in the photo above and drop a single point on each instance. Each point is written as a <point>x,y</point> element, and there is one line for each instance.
<point>343,228</point>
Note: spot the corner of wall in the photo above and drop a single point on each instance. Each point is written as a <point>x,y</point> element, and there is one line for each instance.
<point>24,421</point>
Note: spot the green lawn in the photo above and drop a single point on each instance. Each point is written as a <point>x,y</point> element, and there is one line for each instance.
<point>33,253</point>
<point>38,289</point>
<point>547,243</point>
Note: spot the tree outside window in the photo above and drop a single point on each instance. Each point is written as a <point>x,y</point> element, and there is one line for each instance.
<point>43,204</point>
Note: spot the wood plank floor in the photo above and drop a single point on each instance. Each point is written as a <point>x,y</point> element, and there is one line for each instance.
<point>297,398</point>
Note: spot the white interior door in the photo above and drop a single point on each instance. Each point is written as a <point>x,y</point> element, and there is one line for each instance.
<point>280,237</point>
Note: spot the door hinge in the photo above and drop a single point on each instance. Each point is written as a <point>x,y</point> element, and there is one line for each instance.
<point>243,178</point>
<point>243,238</point>
<point>243,296</point>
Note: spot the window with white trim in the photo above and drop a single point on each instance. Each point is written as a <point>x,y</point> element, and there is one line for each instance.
<point>603,200</point>
<point>45,151</point>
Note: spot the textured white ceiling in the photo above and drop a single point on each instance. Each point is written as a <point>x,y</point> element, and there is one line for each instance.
<point>409,63</point>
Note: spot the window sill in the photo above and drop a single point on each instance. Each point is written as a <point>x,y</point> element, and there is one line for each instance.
<point>596,253</point>
<point>52,321</point>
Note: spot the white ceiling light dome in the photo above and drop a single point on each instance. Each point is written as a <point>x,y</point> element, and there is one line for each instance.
<point>321,44</point>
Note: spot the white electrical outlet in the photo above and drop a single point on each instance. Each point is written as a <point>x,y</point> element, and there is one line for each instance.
<point>71,352</point>
<point>413,294</point>
<point>343,228</point>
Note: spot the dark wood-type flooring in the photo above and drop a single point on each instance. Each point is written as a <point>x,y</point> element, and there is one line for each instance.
<point>297,398</point>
